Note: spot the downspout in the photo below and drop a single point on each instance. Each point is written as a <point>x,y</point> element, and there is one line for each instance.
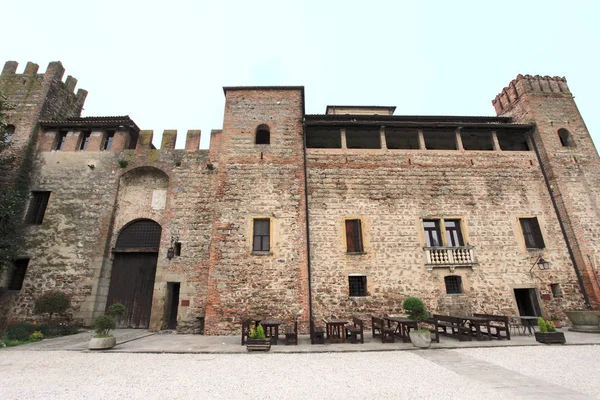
<point>310,308</point>
<point>561,224</point>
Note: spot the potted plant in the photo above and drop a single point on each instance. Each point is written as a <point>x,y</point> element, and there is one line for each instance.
<point>415,309</point>
<point>555,320</point>
<point>103,340</point>
<point>548,333</point>
<point>257,340</point>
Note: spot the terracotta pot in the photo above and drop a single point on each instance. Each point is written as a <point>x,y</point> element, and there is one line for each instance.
<point>102,343</point>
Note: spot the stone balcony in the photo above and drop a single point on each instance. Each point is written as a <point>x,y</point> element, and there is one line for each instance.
<point>449,257</point>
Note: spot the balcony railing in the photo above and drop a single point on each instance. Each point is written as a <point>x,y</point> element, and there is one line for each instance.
<point>452,257</point>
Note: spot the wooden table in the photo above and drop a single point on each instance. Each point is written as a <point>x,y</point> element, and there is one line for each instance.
<point>271,326</point>
<point>478,322</point>
<point>335,330</point>
<point>402,327</point>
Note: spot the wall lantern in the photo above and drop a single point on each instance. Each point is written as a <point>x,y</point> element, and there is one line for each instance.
<point>175,247</point>
<point>542,264</point>
<point>170,253</point>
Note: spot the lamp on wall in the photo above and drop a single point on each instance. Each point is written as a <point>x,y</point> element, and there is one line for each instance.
<point>171,250</point>
<point>542,264</point>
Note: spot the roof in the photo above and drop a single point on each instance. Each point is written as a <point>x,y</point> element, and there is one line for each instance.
<point>92,122</point>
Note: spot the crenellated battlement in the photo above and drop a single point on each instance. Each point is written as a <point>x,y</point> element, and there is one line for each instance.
<point>529,84</point>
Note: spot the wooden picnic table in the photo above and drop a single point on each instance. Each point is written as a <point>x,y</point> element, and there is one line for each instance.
<point>271,326</point>
<point>402,326</point>
<point>478,323</point>
<point>335,329</point>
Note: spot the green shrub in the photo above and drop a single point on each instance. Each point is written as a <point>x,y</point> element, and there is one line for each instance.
<point>415,309</point>
<point>542,325</point>
<point>258,333</point>
<point>19,331</point>
<point>103,324</point>
<point>58,329</point>
<point>36,336</point>
<point>551,327</point>
<point>52,303</point>
<point>116,310</point>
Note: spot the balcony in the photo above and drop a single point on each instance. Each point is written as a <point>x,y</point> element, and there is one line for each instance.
<point>449,257</point>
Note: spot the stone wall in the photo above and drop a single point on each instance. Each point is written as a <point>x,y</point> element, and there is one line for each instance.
<point>392,192</point>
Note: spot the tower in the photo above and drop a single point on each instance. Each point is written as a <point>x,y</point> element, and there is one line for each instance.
<point>570,165</point>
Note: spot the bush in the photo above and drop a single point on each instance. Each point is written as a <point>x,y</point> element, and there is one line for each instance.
<point>61,329</point>
<point>36,336</point>
<point>103,324</point>
<point>116,310</point>
<point>19,331</point>
<point>415,309</point>
<point>546,326</point>
<point>52,303</point>
<point>259,333</point>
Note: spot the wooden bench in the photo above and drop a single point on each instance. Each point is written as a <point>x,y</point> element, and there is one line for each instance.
<point>317,333</point>
<point>379,328</point>
<point>452,326</point>
<point>291,333</point>
<point>354,330</point>
<point>497,325</point>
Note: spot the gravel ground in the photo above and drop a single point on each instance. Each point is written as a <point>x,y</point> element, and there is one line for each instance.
<point>387,375</point>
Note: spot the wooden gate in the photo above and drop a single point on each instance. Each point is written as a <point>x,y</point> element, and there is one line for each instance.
<point>133,272</point>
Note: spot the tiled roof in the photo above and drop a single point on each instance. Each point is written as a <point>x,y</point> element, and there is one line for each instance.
<point>92,122</point>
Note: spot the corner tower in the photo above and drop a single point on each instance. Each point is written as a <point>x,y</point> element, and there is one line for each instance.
<point>570,164</point>
<point>258,256</point>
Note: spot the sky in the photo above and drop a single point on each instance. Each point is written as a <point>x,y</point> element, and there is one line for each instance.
<point>164,63</point>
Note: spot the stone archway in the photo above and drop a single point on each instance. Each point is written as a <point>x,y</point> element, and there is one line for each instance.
<point>133,272</point>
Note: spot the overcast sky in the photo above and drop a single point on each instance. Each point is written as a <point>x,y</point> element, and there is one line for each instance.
<point>164,63</point>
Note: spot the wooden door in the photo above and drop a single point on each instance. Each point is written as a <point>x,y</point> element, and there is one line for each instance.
<point>132,284</point>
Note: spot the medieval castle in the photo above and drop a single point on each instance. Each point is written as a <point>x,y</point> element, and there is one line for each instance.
<point>294,215</point>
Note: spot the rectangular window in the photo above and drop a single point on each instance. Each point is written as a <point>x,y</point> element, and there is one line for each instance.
<point>453,284</point>
<point>433,238</point>
<point>532,233</point>
<point>37,207</point>
<point>357,285</point>
<point>354,242</point>
<point>261,240</point>
<point>556,291</point>
<point>18,274</point>
<point>61,138</point>
<point>453,234</point>
<point>85,140</point>
<point>108,141</point>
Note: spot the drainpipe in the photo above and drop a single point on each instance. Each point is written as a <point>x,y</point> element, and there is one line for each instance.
<point>310,309</point>
<point>562,226</point>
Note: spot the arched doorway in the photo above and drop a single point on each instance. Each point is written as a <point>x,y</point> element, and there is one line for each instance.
<point>134,268</point>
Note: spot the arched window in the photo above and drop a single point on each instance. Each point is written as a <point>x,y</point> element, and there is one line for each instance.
<point>565,137</point>
<point>10,131</point>
<point>453,284</point>
<point>263,135</point>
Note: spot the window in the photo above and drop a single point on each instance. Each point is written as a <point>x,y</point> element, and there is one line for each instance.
<point>18,274</point>
<point>261,240</point>
<point>433,235</point>
<point>37,208</point>
<point>357,285</point>
<point>565,137</point>
<point>9,132</point>
<point>556,291</point>
<point>108,140</point>
<point>453,284</point>
<point>532,233</point>
<point>85,140</point>
<point>177,249</point>
<point>354,242</point>
<point>263,135</point>
<point>61,138</point>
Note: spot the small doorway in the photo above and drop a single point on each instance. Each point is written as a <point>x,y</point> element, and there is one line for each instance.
<point>171,305</point>
<point>527,302</point>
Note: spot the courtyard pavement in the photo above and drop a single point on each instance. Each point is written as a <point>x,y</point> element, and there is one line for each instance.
<point>217,367</point>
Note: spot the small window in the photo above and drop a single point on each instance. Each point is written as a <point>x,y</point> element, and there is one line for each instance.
<point>357,285</point>
<point>354,243</point>
<point>263,135</point>
<point>532,233</point>
<point>565,137</point>
<point>85,140</point>
<point>177,249</point>
<point>18,274</point>
<point>556,291</point>
<point>453,284</point>
<point>37,208</point>
<point>453,234</point>
<point>261,240</point>
<point>61,139</point>
<point>108,141</point>
<point>9,132</point>
<point>433,237</point>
